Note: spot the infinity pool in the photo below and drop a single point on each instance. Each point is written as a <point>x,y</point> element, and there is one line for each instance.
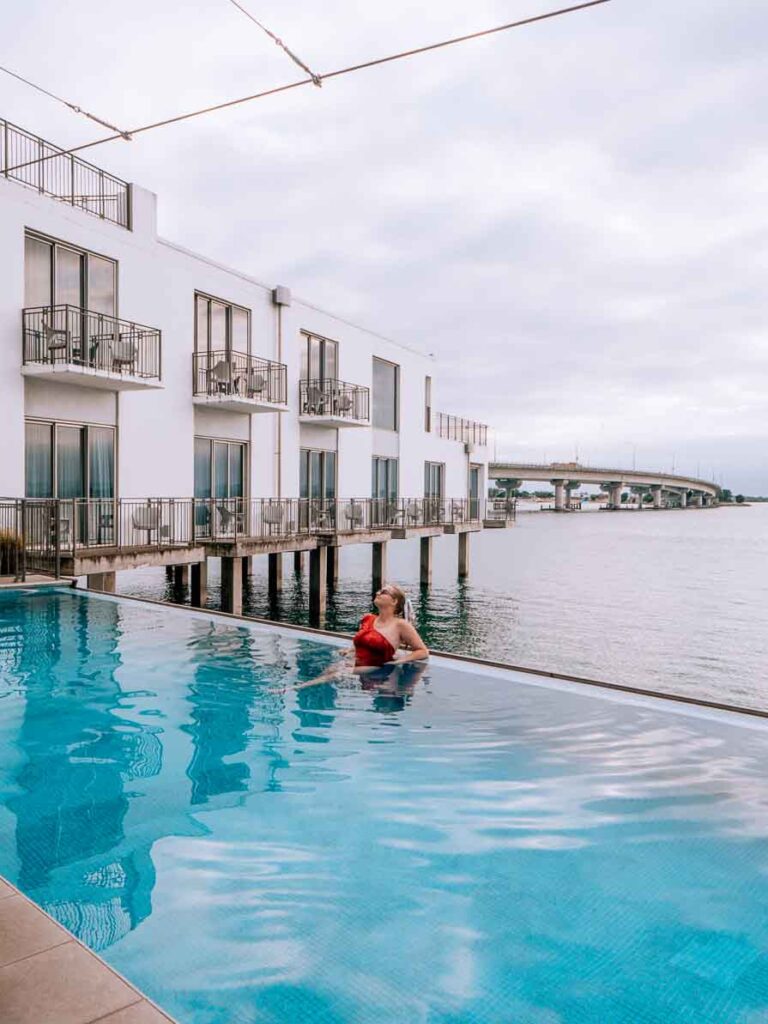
<point>466,847</point>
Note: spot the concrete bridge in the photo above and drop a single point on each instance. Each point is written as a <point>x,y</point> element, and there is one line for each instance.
<point>567,476</point>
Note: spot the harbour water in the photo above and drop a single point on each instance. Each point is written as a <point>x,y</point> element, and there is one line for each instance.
<point>671,601</point>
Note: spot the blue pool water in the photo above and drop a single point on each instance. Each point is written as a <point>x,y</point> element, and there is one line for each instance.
<point>471,847</point>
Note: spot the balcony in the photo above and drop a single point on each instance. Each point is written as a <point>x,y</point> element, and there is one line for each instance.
<point>455,428</point>
<point>334,403</point>
<point>239,382</point>
<point>77,346</point>
<point>39,165</point>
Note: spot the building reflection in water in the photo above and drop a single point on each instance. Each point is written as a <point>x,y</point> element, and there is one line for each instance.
<point>71,800</point>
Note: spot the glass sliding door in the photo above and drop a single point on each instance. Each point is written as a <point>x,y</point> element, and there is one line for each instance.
<point>39,460</point>
<point>384,488</point>
<point>38,272</point>
<point>220,474</point>
<point>317,484</point>
<point>475,479</point>
<point>102,290</point>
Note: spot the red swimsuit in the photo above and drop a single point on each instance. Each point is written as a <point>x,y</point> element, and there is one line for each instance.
<point>371,647</point>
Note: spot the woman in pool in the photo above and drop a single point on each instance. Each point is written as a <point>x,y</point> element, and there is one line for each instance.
<point>378,642</point>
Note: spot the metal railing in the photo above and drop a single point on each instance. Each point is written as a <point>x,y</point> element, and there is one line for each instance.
<point>120,523</point>
<point>29,537</point>
<point>70,335</point>
<point>503,509</point>
<point>35,163</point>
<point>335,398</point>
<point>454,428</point>
<point>220,373</point>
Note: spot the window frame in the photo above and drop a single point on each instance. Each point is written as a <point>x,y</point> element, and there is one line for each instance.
<point>84,254</point>
<point>230,442</point>
<point>305,356</point>
<point>229,308</point>
<point>429,466</point>
<point>396,388</point>
<point>305,455</point>
<point>86,428</point>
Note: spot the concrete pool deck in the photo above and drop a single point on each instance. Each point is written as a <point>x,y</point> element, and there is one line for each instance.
<point>47,976</point>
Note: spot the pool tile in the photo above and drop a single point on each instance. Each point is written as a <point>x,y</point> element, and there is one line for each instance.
<point>139,1013</point>
<point>25,930</point>
<point>64,985</point>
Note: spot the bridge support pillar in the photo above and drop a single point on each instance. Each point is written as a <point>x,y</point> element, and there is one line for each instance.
<point>425,561</point>
<point>199,584</point>
<point>698,500</point>
<point>559,486</point>
<point>378,566</point>
<point>232,585</point>
<point>683,499</point>
<point>102,581</point>
<point>615,498</point>
<point>464,555</point>
<point>658,497</point>
<point>318,580</point>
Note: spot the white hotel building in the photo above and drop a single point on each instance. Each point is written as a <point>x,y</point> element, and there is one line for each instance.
<point>136,376</point>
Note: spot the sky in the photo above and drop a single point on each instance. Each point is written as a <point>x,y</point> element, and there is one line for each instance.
<point>571,216</point>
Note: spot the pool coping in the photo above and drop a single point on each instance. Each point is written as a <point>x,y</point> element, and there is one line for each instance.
<point>618,688</point>
<point>48,976</point>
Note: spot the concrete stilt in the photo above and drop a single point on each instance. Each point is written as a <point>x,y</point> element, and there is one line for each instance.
<point>169,573</point>
<point>199,584</point>
<point>275,574</point>
<point>298,561</point>
<point>684,499</point>
<point>615,499</point>
<point>181,575</point>
<point>463,555</point>
<point>332,568</point>
<point>378,565</point>
<point>658,497</point>
<point>318,577</point>
<point>247,568</point>
<point>232,585</point>
<point>103,581</point>
<point>698,500</point>
<point>425,561</point>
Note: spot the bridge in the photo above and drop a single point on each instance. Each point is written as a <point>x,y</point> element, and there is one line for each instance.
<point>565,477</point>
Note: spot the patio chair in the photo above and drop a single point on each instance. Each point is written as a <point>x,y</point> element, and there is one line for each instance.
<point>56,339</point>
<point>413,513</point>
<point>148,519</point>
<point>257,384</point>
<point>124,354</point>
<point>273,517</point>
<point>220,377</point>
<point>344,404</point>
<point>315,402</point>
<point>354,514</point>
<point>231,520</point>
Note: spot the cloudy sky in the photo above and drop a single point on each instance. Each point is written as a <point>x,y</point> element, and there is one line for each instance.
<point>571,216</point>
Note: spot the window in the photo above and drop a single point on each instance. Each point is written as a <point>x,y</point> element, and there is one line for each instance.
<point>65,460</point>
<point>220,468</point>
<point>475,481</point>
<point>221,328</point>
<point>384,478</point>
<point>434,479</point>
<point>317,474</point>
<point>58,274</point>
<point>385,394</point>
<point>428,404</point>
<point>319,358</point>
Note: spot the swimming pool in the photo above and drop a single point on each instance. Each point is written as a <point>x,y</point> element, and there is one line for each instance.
<point>477,847</point>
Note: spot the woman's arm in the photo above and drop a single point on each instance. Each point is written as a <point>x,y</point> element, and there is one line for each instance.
<point>410,638</point>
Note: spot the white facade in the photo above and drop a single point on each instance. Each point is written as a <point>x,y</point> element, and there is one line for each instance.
<point>157,282</point>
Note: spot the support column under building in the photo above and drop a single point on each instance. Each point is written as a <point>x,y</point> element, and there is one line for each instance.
<point>232,585</point>
<point>298,562</point>
<point>378,565</point>
<point>199,584</point>
<point>103,581</point>
<point>247,567</point>
<point>318,577</point>
<point>464,555</point>
<point>181,575</point>
<point>169,573</point>
<point>274,574</point>
<point>425,561</point>
<point>332,567</point>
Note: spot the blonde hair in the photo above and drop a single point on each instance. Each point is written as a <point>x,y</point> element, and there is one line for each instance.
<point>403,606</point>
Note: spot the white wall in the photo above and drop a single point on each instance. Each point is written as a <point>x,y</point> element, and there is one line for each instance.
<point>157,283</point>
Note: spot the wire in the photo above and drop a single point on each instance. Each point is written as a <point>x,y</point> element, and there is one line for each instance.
<point>296,60</point>
<point>72,106</point>
<point>309,81</point>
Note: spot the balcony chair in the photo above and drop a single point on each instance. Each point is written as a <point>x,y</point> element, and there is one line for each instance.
<point>56,339</point>
<point>257,383</point>
<point>413,513</point>
<point>315,401</point>
<point>354,514</point>
<point>220,378</point>
<point>124,354</point>
<point>343,405</point>
<point>231,520</point>
<point>273,517</point>
<point>148,519</point>
<point>458,512</point>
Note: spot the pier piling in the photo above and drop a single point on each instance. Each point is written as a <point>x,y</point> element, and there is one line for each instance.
<point>232,585</point>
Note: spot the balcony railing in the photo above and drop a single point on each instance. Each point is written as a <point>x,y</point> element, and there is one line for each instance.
<point>500,509</point>
<point>457,429</point>
<point>72,336</point>
<point>220,373</point>
<point>335,399</point>
<point>40,165</point>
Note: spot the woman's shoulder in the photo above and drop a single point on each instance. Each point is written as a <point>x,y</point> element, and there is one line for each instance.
<point>366,619</point>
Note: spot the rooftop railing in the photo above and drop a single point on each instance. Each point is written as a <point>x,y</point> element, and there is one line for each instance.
<point>219,373</point>
<point>335,398</point>
<point>37,164</point>
<point>455,428</point>
<point>70,335</point>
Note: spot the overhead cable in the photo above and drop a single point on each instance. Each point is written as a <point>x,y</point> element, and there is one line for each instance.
<point>72,106</point>
<point>323,77</point>
<point>296,60</point>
